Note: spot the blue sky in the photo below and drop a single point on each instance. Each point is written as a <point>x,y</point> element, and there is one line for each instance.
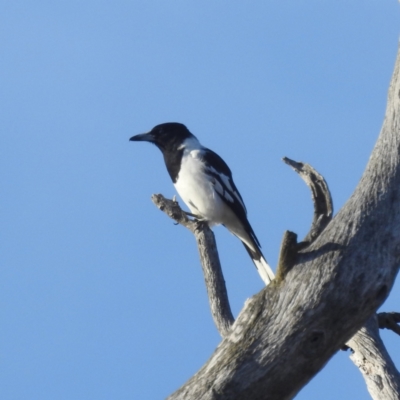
<point>101,296</point>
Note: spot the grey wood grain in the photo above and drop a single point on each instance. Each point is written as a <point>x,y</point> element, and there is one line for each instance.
<point>371,357</point>
<point>286,333</point>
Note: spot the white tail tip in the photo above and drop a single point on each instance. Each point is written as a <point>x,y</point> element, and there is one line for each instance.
<point>264,270</point>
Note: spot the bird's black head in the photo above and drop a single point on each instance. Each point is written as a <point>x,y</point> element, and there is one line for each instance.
<point>167,137</point>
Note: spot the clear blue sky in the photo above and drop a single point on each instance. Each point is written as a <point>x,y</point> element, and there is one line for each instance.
<point>101,296</point>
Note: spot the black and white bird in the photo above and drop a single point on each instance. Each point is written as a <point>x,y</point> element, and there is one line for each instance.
<point>205,184</point>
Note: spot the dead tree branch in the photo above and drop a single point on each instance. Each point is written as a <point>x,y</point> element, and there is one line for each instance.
<point>389,321</point>
<point>323,212</point>
<point>215,283</point>
<point>321,197</point>
<point>288,332</point>
<point>371,357</point>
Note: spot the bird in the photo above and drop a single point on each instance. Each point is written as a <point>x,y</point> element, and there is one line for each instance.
<point>204,182</point>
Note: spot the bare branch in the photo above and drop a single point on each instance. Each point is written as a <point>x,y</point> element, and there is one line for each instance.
<point>373,360</point>
<point>323,211</point>
<point>321,196</point>
<point>173,210</point>
<point>214,279</point>
<point>288,332</point>
<point>389,321</point>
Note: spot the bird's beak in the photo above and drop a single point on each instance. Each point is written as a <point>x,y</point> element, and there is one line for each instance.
<point>143,137</point>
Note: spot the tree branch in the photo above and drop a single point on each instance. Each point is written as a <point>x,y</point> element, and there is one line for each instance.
<point>323,212</point>
<point>371,357</point>
<point>321,197</point>
<point>389,321</point>
<point>215,283</point>
<point>288,332</point>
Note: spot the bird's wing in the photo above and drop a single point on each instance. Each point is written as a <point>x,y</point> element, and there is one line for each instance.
<point>224,186</point>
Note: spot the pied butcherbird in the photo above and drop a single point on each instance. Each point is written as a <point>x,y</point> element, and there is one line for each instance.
<point>204,182</point>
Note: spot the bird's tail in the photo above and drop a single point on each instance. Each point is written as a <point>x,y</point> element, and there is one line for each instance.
<point>261,264</point>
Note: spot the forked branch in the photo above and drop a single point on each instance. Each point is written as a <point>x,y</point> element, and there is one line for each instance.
<point>213,276</point>
<point>286,333</point>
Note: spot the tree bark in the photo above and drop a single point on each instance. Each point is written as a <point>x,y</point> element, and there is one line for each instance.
<point>212,271</point>
<point>321,197</point>
<point>286,333</point>
<point>370,356</point>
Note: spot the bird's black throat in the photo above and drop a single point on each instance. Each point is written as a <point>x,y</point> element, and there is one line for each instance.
<point>173,159</point>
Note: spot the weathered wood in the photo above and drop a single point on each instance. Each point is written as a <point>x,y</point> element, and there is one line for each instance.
<point>287,256</point>
<point>212,271</point>
<point>323,212</point>
<point>214,279</point>
<point>389,321</point>
<point>215,283</point>
<point>287,333</point>
<point>321,197</point>
<point>371,357</point>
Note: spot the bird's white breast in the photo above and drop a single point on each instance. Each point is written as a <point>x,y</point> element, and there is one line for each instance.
<point>197,188</point>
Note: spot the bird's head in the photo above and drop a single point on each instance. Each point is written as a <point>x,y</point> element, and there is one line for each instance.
<point>167,137</point>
